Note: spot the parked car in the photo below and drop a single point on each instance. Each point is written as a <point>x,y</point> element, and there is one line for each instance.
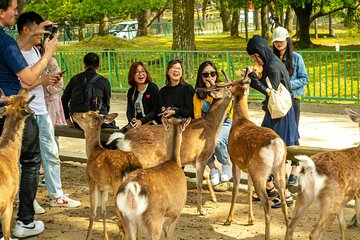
<point>125,30</point>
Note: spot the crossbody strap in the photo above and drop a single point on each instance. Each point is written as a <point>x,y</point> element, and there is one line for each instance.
<point>268,83</point>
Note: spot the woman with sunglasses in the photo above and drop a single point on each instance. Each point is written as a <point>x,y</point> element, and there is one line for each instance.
<point>176,98</point>
<point>142,97</point>
<point>208,76</point>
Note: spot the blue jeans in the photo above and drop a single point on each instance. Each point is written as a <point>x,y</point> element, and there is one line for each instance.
<point>30,160</point>
<point>50,155</point>
<point>221,151</point>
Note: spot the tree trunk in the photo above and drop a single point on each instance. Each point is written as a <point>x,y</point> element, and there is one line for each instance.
<point>104,26</point>
<point>257,19</point>
<point>349,17</point>
<point>246,23</point>
<point>264,20</point>
<point>21,5</point>
<point>225,15</point>
<point>183,25</point>
<point>235,23</point>
<point>143,21</point>
<point>289,20</point>
<point>303,16</point>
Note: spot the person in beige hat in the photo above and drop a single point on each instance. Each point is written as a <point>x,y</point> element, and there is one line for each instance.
<point>283,48</point>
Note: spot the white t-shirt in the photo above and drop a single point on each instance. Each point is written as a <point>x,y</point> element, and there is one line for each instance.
<point>38,104</point>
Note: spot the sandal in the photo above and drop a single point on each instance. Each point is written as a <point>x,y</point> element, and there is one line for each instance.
<point>255,197</point>
<point>277,202</point>
<point>271,192</point>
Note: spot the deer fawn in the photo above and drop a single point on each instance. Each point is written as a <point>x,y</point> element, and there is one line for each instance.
<point>16,111</point>
<point>198,141</point>
<point>333,178</point>
<point>105,168</point>
<point>258,151</point>
<point>148,196</point>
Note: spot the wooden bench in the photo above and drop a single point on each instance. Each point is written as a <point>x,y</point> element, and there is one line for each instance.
<point>64,131</point>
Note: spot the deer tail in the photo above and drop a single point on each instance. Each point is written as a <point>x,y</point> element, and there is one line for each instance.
<point>131,201</point>
<point>310,181</point>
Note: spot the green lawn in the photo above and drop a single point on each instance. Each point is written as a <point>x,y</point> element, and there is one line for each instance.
<point>208,42</point>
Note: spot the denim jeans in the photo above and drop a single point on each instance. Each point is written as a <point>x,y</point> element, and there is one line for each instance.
<point>30,160</point>
<point>50,155</point>
<point>221,151</point>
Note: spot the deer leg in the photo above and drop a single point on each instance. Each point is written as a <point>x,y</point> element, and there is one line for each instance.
<point>250,191</point>
<point>236,178</point>
<point>211,189</point>
<point>341,219</point>
<point>118,214</point>
<point>103,195</point>
<point>302,203</point>
<point>170,229</point>
<point>130,229</point>
<point>93,205</point>
<point>329,209</point>
<point>279,181</point>
<point>6,221</point>
<point>260,188</point>
<point>199,178</point>
<point>155,227</point>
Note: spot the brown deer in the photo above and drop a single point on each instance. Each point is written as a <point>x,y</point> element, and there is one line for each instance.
<point>199,139</point>
<point>332,178</point>
<point>148,196</point>
<point>105,168</point>
<point>259,151</point>
<point>16,111</point>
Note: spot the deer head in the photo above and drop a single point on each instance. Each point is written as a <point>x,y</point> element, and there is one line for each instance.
<point>92,120</point>
<point>16,103</point>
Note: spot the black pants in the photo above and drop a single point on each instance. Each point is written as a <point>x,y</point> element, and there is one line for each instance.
<point>296,106</point>
<point>30,160</point>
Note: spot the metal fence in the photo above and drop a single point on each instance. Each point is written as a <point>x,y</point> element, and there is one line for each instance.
<point>333,76</point>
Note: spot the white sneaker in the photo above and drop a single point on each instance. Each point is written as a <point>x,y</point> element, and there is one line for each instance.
<point>64,201</point>
<point>226,173</point>
<point>10,238</point>
<point>21,230</point>
<point>214,176</point>
<point>38,209</point>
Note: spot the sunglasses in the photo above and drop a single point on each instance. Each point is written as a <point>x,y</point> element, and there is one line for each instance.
<point>207,74</point>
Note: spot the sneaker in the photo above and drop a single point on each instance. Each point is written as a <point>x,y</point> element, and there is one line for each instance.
<point>21,230</point>
<point>292,179</point>
<point>214,176</point>
<point>37,208</point>
<point>64,201</point>
<point>226,173</point>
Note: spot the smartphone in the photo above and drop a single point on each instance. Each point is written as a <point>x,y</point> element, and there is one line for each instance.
<point>52,29</point>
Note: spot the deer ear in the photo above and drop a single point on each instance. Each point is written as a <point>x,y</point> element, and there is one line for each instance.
<point>185,122</point>
<point>2,112</point>
<point>354,116</point>
<point>23,92</point>
<point>109,118</point>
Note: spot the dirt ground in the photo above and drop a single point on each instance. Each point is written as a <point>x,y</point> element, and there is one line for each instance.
<point>315,129</point>
<point>71,224</point>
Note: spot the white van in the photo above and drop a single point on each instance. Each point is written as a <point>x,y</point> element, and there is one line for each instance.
<point>125,30</point>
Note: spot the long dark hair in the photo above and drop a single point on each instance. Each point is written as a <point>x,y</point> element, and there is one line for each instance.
<point>199,82</point>
<point>288,56</point>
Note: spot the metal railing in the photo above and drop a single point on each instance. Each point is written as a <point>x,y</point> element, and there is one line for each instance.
<point>333,75</point>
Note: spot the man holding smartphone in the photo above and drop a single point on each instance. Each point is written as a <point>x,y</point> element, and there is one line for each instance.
<point>12,67</point>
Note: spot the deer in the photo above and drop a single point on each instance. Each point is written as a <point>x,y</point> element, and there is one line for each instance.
<point>199,140</point>
<point>259,151</point>
<point>148,196</point>
<point>105,168</point>
<point>16,110</point>
<point>332,178</point>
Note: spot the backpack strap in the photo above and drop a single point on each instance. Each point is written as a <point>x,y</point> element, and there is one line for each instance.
<point>93,79</point>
